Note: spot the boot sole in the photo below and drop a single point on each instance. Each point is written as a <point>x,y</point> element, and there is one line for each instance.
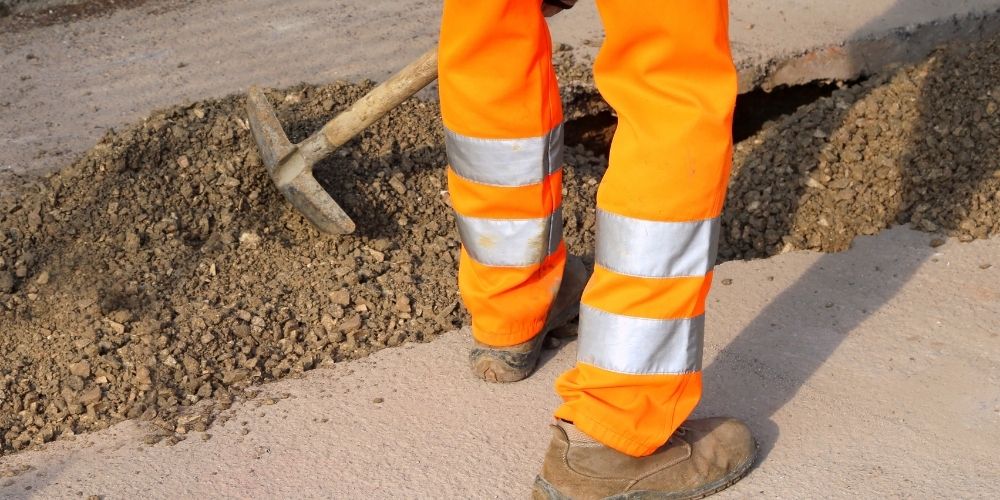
<point>503,366</point>
<point>543,490</point>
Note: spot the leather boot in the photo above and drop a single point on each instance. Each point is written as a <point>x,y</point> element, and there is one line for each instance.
<point>702,457</point>
<point>513,363</point>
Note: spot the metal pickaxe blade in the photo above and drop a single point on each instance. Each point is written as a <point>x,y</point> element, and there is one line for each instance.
<point>290,166</point>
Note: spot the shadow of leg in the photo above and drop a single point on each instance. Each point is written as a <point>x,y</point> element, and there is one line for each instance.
<point>767,363</point>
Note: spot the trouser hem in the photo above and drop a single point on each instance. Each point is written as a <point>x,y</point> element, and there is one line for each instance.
<point>518,334</point>
<point>628,443</point>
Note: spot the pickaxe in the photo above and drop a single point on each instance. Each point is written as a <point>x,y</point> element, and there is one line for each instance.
<point>290,166</point>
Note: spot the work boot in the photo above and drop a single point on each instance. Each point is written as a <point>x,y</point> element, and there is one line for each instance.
<point>703,457</point>
<point>516,362</point>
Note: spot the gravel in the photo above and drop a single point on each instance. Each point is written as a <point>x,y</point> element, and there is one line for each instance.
<point>162,269</point>
<point>917,146</point>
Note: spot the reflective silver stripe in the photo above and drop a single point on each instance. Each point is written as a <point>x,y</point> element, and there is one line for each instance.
<point>510,242</point>
<point>640,346</point>
<point>653,249</point>
<point>505,162</point>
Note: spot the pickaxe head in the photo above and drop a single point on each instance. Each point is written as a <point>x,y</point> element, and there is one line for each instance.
<point>290,166</point>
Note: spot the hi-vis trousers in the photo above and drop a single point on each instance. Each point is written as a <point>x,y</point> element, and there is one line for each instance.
<point>666,69</point>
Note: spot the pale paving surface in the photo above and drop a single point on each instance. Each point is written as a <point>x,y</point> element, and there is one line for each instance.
<point>873,373</point>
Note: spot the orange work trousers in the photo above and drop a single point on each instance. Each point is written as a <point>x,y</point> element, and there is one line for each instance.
<point>666,69</point>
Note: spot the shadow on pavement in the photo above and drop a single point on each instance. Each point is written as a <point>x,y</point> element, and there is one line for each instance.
<point>939,176</point>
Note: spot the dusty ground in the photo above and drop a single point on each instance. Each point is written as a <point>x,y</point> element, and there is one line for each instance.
<point>871,373</point>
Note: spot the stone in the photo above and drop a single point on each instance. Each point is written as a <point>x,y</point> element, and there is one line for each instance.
<point>80,369</point>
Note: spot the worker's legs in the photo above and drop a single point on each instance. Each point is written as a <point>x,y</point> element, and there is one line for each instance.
<point>503,120</point>
<point>668,73</point>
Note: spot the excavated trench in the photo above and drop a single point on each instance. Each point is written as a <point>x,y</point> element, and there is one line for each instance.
<point>754,109</point>
<point>160,275</point>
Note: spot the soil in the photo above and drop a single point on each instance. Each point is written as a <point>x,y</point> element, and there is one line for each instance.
<point>917,145</point>
<point>28,14</point>
<point>162,269</point>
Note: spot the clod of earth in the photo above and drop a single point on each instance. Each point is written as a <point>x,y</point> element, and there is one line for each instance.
<point>162,269</point>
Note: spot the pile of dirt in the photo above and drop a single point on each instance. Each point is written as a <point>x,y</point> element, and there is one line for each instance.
<point>918,145</point>
<point>162,268</point>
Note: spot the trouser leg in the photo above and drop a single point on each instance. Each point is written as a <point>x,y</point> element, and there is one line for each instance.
<point>665,67</point>
<point>503,120</point>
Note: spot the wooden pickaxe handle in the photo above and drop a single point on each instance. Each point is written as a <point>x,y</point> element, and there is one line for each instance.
<point>372,106</point>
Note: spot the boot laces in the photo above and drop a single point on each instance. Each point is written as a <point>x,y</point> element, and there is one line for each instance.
<point>679,432</point>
